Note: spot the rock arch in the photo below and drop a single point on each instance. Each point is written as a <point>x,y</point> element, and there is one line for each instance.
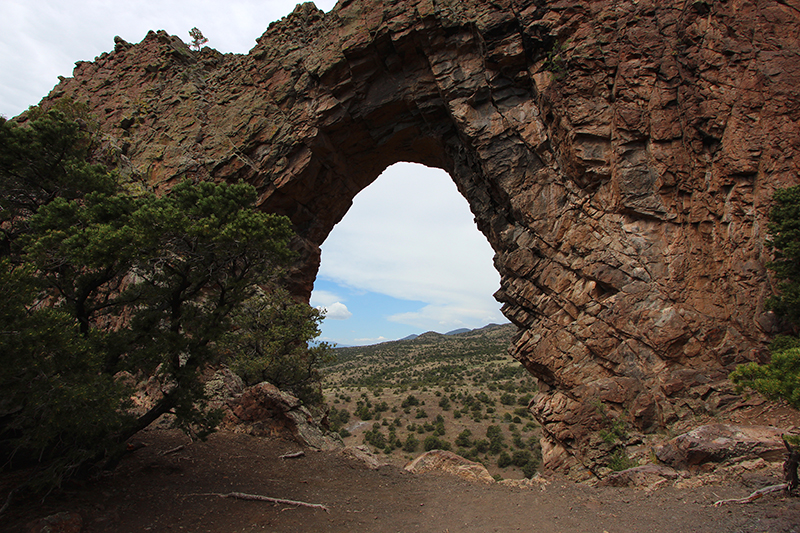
<point>618,155</point>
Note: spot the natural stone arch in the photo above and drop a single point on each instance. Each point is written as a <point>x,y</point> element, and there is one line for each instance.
<point>619,156</point>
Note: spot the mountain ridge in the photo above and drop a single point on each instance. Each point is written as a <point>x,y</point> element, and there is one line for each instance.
<point>459,331</point>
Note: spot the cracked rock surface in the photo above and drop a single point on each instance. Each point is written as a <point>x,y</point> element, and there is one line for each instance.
<point>619,156</point>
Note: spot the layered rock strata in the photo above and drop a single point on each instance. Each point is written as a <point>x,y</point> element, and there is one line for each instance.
<point>619,156</point>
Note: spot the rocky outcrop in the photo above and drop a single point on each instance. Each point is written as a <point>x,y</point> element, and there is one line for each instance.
<point>648,476</point>
<point>619,156</point>
<point>263,410</point>
<point>362,455</point>
<point>445,462</point>
<point>722,442</point>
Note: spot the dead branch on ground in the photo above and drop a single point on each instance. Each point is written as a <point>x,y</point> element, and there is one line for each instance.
<point>754,496</point>
<point>293,455</point>
<point>260,498</point>
<point>173,450</point>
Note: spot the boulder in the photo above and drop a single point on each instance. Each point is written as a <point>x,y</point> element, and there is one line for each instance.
<point>265,410</point>
<point>362,455</point>
<point>721,442</point>
<point>645,476</point>
<point>446,462</point>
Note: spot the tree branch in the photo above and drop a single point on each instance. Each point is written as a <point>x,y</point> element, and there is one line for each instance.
<point>754,496</point>
<point>259,498</point>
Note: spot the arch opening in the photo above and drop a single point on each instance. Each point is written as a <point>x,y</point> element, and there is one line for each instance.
<point>407,258</point>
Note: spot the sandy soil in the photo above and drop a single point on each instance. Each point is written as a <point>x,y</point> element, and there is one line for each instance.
<point>168,492</point>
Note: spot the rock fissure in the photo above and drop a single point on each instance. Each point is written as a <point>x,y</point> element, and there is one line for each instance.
<point>619,157</point>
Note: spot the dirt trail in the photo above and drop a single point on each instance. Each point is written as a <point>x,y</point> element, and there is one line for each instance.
<point>154,491</point>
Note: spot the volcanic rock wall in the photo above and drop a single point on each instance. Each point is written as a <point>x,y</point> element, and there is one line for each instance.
<point>619,156</point>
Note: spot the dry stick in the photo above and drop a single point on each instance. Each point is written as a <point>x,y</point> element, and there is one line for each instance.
<point>259,498</point>
<point>292,455</point>
<point>174,450</point>
<point>754,496</point>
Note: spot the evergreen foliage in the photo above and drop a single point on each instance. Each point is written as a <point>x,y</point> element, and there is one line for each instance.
<point>777,380</point>
<point>198,40</point>
<point>784,227</point>
<point>780,378</point>
<point>45,160</point>
<point>100,284</point>
<point>271,343</point>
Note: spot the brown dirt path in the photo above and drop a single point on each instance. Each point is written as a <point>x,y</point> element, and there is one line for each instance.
<point>153,491</point>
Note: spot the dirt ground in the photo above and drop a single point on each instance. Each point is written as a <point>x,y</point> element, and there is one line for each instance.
<point>153,490</point>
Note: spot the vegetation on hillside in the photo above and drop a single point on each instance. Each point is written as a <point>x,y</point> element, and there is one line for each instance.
<point>452,392</point>
<point>104,289</point>
<point>430,359</point>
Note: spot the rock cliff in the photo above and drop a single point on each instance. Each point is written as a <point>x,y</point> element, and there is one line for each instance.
<point>619,156</point>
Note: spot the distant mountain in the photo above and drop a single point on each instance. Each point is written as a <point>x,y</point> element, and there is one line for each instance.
<point>422,358</point>
<point>458,331</point>
<point>430,335</point>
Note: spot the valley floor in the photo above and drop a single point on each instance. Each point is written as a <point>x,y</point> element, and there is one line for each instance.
<point>161,489</point>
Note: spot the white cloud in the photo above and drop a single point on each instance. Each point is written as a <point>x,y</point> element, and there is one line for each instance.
<point>443,318</point>
<point>410,235</point>
<point>321,298</point>
<point>371,340</point>
<point>336,311</point>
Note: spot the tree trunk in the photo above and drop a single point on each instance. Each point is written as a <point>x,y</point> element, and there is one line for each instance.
<point>790,466</point>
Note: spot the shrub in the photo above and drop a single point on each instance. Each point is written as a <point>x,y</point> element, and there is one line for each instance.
<point>411,444</point>
<point>434,443</point>
<point>375,437</point>
<point>463,439</point>
<point>619,460</point>
<point>521,458</point>
<point>530,468</point>
<point>504,460</point>
<point>363,412</point>
<point>522,412</point>
<point>484,398</point>
<point>481,446</point>
<point>507,399</point>
<point>444,403</point>
<point>495,447</point>
<point>410,401</point>
<point>494,433</point>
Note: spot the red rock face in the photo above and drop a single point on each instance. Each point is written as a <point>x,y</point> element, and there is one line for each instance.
<point>619,157</point>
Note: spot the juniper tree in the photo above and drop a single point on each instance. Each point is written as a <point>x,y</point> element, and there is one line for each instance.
<point>780,378</point>
<point>99,284</point>
<point>198,40</point>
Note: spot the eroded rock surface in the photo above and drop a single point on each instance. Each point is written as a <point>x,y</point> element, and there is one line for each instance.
<point>619,156</point>
<point>264,410</point>
<point>445,462</point>
<point>720,442</point>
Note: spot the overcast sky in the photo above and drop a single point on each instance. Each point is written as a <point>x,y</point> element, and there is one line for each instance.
<point>407,258</point>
